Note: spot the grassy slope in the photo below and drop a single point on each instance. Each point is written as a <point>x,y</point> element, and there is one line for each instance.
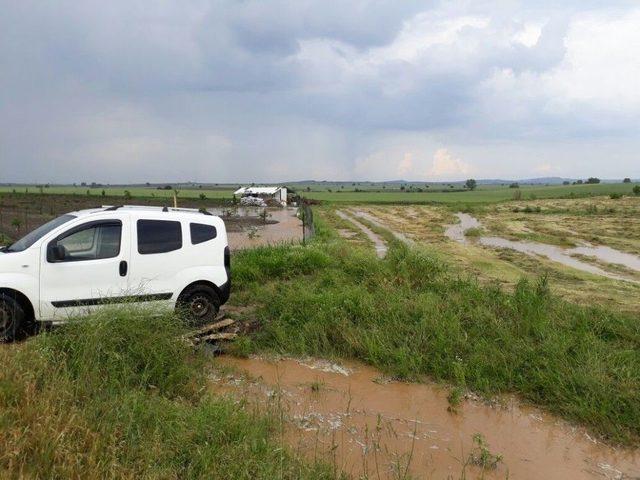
<point>121,396</point>
<point>411,316</point>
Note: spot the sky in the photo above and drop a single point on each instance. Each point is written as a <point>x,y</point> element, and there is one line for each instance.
<point>125,91</point>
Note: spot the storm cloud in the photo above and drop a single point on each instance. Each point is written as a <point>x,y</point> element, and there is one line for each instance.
<point>225,91</point>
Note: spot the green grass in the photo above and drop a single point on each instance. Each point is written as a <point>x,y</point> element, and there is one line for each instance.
<point>145,192</point>
<point>483,194</point>
<point>413,316</point>
<point>120,396</point>
<point>369,193</point>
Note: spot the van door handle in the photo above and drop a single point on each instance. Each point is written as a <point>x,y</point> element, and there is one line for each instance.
<point>123,268</point>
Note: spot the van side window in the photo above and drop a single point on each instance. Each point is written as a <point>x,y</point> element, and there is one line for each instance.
<point>158,236</point>
<point>97,240</point>
<point>202,233</point>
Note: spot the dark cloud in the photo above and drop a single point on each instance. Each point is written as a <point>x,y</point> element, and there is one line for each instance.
<point>225,90</point>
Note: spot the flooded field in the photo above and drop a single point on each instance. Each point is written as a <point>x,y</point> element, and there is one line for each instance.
<point>565,256</point>
<point>589,248</point>
<point>250,227</point>
<point>365,424</point>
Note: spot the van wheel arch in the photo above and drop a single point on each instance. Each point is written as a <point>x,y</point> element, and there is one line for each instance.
<point>24,316</point>
<point>23,300</point>
<point>199,302</point>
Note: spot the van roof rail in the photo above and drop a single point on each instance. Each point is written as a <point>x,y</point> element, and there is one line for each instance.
<point>113,208</point>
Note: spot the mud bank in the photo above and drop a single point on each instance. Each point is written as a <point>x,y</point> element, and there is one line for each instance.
<point>366,425</point>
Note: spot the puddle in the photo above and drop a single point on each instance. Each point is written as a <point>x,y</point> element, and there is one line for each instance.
<point>609,255</point>
<point>552,252</point>
<point>379,244</point>
<point>369,426</point>
<point>456,231</point>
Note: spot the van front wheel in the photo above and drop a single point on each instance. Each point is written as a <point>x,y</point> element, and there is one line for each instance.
<point>11,318</point>
<point>198,304</point>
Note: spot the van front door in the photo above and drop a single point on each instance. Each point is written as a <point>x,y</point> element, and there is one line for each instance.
<point>84,268</point>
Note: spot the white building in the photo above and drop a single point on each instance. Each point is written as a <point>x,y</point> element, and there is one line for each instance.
<point>277,194</point>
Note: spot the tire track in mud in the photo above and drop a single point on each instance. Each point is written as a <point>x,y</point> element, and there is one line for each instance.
<point>379,244</point>
<point>378,223</point>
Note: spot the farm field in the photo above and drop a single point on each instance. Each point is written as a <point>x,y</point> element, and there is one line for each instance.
<point>358,193</point>
<point>476,328</point>
<point>483,194</point>
<point>569,224</point>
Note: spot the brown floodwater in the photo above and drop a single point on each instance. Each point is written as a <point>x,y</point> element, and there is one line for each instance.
<point>379,244</point>
<point>283,226</point>
<point>364,424</point>
<point>552,252</point>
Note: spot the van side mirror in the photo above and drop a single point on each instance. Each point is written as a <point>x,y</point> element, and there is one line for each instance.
<point>56,253</point>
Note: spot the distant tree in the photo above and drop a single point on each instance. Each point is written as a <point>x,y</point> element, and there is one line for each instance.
<point>402,187</point>
<point>579,182</point>
<point>471,184</point>
<point>88,192</point>
<point>127,195</point>
<point>103,193</point>
<point>566,182</point>
<point>626,180</point>
<point>636,190</point>
<point>514,185</point>
<point>593,180</point>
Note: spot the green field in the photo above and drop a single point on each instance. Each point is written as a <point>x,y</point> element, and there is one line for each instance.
<point>356,193</point>
<point>144,192</point>
<point>483,194</point>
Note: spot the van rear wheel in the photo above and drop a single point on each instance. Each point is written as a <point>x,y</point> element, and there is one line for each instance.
<point>198,304</point>
<point>12,318</point>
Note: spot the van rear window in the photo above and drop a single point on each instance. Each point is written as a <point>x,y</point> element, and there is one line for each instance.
<point>158,236</point>
<point>202,233</point>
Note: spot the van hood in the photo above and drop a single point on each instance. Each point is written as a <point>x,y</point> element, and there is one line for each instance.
<point>13,262</point>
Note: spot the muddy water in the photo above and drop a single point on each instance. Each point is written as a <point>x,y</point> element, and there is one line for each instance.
<point>456,231</point>
<point>350,416</point>
<point>552,252</point>
<point>379,244</point>
<point>287,228</point>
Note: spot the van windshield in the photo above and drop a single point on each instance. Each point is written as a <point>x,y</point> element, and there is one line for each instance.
<point>32,237</point>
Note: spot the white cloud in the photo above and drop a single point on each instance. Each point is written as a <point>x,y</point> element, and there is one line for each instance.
<point>406,164</point>
<point>545,168</point>
<point>446,165</point>
<point>529,35</point>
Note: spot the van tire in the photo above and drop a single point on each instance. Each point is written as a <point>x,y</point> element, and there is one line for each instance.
<point>198,304</point>
<point>12,319</point>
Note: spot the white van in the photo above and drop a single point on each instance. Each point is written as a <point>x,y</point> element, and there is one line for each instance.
<point>111,255</point>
